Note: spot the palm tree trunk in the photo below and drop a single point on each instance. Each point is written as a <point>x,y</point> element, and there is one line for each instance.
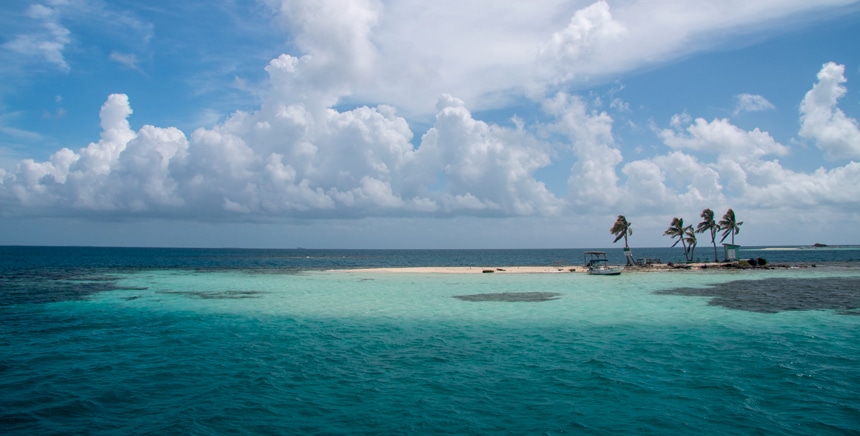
<point>714,241</point>
<point>683,244</point>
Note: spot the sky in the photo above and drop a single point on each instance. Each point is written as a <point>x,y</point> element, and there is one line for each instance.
<point>414,124</point>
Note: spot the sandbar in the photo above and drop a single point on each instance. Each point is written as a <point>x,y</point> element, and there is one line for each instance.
<point>473,269</point>
<point>554,269</point>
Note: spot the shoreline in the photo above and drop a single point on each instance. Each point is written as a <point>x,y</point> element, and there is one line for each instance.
<point>561,269</point>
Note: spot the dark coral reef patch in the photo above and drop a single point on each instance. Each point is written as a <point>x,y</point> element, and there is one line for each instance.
<point>531,297</point>
<point>841,294</point>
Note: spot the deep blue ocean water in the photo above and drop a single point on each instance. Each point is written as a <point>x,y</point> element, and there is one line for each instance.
<point>227,341</point>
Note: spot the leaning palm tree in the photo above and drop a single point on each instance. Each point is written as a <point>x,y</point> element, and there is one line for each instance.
<point>730,225</point>
<point>708,224</point>
<point>621,229</point>
<point>676,230</point>
<point>690,239</point>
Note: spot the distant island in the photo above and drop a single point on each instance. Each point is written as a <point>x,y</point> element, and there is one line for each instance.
<point>819,245</point>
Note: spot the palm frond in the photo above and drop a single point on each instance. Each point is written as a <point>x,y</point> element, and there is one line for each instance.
<point>729,225</point>
<point>707,223</point>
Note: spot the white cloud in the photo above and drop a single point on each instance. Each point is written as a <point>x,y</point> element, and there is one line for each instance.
<point>581,48</point>
<point>128,59</point>
<point>47,41</point>
<point>824,123</point>
<point>603,41</point>
<point>693,181</point>
<point>481,166</point>
<point>723,138</point>
<point>407,53</point>
<point>294,157</point>
<point>736,160</point>
<point>593,182</point>
<point>335,35</point>
<point>743,171</point>
<point>784,189</point>
<point>751,103</point>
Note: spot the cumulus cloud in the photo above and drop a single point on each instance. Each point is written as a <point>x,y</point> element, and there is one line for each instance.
<point>718,159</point>
<point>292,157</point>
<point>480,166</point>
<point>723,138</point>
<point>593,181</point>
<point>824,123</point>
<point>717,163</point>
<point>581,48</point>
<point>297,157</point>
<point>334,34</point>
<point>118,173</point>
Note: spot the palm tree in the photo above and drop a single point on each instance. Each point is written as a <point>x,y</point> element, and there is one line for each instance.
<point>690,239</point>
<point>676,230</point>
<point>730,225</point>
<point>708,224</point>
<point>621,229</point>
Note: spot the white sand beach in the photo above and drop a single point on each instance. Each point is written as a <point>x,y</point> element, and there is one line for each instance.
<point>554,269</point>
<point>474,269</point>
<point>559,269</point>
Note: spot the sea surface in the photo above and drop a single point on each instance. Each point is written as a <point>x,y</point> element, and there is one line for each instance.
<point>227,341</point>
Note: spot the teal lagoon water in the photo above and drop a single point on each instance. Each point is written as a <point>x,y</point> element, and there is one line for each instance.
<point>169,341</point>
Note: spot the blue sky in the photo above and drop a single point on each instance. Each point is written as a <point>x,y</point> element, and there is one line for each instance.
<point>377,124</point>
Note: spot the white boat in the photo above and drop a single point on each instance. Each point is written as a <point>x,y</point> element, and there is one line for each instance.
<point>597,264</point>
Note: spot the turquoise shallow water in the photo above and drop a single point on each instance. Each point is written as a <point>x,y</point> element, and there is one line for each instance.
<point>263,351</point>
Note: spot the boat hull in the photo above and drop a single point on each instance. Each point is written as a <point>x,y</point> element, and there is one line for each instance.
<point>598,265</point>
<point>607,271</point>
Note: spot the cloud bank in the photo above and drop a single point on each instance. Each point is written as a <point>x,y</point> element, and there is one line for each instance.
<point>297,158</point>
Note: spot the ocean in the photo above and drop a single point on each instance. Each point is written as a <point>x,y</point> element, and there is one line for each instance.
<point>230,341</point>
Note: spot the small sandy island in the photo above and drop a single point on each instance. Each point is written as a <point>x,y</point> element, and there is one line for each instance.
<point>560,269</point>
<point>474,269</point>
